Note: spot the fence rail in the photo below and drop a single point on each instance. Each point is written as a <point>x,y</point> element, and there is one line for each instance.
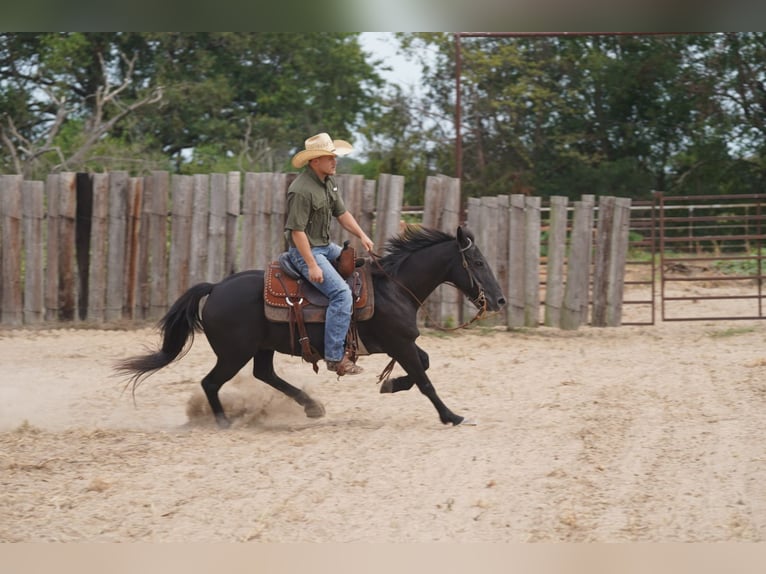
<point>109,247</point>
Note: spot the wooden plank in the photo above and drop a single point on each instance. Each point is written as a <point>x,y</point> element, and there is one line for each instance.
<point>278,218</point>
<point>500,238</point>
<point>516,250</point>
<point>532,261</point>
<point>52,248</point>
<point>143,280</point>
<point>117,225</point>
<point>233,199</point>
<point>601,259</point>
<point>216,245</point>
<point>182,188</point>
<point>616,280</point>
<point>11,187</point>
<point>473,222</point>
<point>433,202</point>
<point>249,216</point>
<point>67,242</point>
<point>199,223</point>
<point>263,195</point>
<point>389,211</point>
<point>97,270</point>
<point>367,217</point>
<point>132,246</point>
<point>574,311</point>
<point>33,197</point>
<point>156,207</point>
<point>554,274</point>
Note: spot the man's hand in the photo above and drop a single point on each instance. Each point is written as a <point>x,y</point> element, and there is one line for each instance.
<point>367,243</point>
<point>315,273</point>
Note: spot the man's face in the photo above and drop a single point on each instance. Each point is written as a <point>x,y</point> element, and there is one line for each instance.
<point>324,165</point>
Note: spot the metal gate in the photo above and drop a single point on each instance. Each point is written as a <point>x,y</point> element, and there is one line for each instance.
<point>706,255</point>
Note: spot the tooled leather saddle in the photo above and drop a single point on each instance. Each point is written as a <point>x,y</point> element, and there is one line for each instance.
<point>291,298</point>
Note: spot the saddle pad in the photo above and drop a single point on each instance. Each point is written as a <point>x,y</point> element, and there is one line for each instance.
<point>278,286</point>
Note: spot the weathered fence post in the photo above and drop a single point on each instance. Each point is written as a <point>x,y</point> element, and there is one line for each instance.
<point>11,248</point>
<point>233,193</point>
<point>180,236</point>
<point>278,193</point>
<point>554,275</point>
<point>133,255</point>
<point>216,238</point>
<point>500,265</point>
<point>611,252</point>
<point>97,269</point>
<point>516,250</point>
<point>576,299</point>
<point>367,216</point>
<point>351,188</point>
<point>441,210</point>
<point>66,254</point>
<point>264,191</point>
<point>117,231</point>
<point>601,259</point>
<point>532,262</point>
<point>621,240</point>
<point>52,248</point>
<point>249,208</point>
<point>199,224</point>
<point>389,207</point>
<point>157,211</point>
<point>33,195</point>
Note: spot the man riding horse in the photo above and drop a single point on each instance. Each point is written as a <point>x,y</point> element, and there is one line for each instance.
<point>312,201</point>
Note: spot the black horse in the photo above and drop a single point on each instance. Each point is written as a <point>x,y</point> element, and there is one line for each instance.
<point>233,319</point>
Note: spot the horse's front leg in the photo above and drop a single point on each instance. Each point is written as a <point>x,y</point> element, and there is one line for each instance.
<point>410,360</point>
<point>404,382</point>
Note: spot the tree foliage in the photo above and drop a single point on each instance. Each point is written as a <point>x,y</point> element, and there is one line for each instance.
<point>612,114</point>
<point>228,100</point>
<point>564,115</point>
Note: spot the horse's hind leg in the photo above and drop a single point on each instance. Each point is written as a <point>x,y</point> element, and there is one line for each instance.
<point>263,369</point>
<point>212,383</point>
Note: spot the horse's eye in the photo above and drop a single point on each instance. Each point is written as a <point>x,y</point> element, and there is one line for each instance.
<point>479,264</point>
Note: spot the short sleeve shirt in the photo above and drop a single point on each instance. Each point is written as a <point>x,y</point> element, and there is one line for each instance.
<point>311,205</point>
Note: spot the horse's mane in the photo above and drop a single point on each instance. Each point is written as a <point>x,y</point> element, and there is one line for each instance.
<point>413,238</point>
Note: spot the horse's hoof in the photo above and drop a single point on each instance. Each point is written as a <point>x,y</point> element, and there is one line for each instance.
<point>315,410</point>
<point>223,423</point>
<point>386,387</point>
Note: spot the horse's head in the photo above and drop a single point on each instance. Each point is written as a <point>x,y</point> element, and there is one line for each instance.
<point>478,283</point>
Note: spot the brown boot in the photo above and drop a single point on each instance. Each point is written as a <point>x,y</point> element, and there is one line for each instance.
<point>344,367</point>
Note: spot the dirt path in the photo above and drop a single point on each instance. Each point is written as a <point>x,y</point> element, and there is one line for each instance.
<point>627,434</point>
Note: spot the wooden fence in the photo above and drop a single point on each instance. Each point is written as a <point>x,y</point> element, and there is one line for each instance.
<point>108,247</point>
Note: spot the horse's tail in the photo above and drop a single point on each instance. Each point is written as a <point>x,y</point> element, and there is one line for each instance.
<point>177,328</point>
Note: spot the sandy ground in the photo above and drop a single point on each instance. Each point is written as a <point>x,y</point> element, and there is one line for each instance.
<point>643,433</point>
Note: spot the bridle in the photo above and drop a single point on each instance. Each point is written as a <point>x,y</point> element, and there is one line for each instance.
<point>480,301</point>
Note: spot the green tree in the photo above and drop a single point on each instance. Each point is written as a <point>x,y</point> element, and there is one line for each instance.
<point>228,100</point>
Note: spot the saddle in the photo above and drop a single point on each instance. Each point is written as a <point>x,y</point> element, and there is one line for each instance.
<point>291,298</point>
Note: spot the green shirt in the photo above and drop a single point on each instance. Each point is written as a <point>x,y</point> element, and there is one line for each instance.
<point>311,205</point>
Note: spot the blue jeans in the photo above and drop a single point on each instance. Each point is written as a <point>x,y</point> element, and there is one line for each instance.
<point>336,290</point>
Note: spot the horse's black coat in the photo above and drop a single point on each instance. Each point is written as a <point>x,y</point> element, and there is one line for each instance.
<point>233,320</point>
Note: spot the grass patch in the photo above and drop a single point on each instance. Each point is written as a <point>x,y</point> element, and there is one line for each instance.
<point>731,332</point>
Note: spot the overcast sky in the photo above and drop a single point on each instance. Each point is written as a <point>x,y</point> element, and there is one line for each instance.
<point>383,46</point>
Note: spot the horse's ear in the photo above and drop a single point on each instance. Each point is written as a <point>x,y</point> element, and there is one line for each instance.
<point>463,239</point>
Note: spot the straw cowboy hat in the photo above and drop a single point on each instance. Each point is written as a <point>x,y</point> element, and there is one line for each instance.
<point>319,145</point>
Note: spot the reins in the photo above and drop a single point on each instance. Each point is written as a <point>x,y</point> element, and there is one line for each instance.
<point>480,300</point>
